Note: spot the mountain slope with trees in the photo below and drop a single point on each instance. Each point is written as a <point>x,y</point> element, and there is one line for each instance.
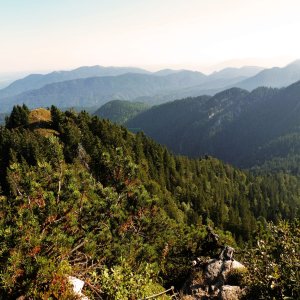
<point>119,111</point>
<point>242,128</point>
<point>83,197</point>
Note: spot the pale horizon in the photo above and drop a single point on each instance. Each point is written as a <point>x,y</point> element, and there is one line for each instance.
<point>206,36</point>
<point>204,68</point>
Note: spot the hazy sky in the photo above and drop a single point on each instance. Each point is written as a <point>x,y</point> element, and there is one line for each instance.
<point>195,34</point>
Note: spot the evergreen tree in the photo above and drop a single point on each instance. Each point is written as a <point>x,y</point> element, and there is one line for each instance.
<point>18,117</point>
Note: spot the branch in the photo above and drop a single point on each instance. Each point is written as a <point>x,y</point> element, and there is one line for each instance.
<point>77,247</point>
<point>59,183</point>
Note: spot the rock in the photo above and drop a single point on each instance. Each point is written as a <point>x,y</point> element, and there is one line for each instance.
<point>77,287</point>
<point>227,253</point>
<point>230,292</point>
<point>237,265</point>
<point>212,271</point>
<point>211,279</point>
<point>217,270</point>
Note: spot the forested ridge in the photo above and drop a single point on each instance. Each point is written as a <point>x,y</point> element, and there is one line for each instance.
<point>258,129</point>
<point>85,197</point>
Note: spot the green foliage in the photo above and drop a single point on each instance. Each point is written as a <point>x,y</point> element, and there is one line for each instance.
<point>274,265</point>
<point>97,202</point>
<point>237,277</point>
<point>119,111</point>
<point>18,117</point>
<point>121,282</point>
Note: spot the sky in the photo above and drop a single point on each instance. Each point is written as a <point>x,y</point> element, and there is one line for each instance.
<point>204,35</point>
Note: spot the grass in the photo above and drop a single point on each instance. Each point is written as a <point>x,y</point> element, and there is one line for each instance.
<point>40,121</point>
<point>39,115</point>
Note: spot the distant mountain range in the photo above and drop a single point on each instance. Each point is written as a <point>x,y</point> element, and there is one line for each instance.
<point>90,86</point>
<point>94,91</point>
<point>241,127</point>
<point>36,81</point>
<point>94,86</point>
<point>274,77</point>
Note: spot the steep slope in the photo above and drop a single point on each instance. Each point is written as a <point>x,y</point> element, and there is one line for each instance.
<point>233,125</point>
<point>169,123</point>
<point>275,116</point>
<point>119,111</point>
<point>117,210</point>
<point>116,157</point>
<point>186,126</point>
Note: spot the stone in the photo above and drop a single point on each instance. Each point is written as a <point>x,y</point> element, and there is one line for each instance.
<point>77,287</point>
<point>230,292</point>
<point>237,265</point>
<point>211,278</point>
<point>227,253</point>
<point>212,271</point>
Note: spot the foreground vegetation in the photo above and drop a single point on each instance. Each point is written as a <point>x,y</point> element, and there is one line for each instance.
<point>274,263</point>
<point>83,197</point>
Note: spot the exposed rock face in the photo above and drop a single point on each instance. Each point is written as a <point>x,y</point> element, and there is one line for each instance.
<point>213,272</point>
<point>211,279</point>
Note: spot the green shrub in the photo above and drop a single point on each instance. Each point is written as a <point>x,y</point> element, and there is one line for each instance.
<point>121,282</point>
<point>274,265</point>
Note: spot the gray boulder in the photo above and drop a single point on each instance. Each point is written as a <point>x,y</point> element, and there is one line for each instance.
<point>210,278</point>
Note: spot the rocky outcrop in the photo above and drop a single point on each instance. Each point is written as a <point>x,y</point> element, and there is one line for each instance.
<point>215,278</point>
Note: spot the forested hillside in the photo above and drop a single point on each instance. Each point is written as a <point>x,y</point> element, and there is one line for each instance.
<point>119,111</point>
<point>81,196</point>
<point>242,128</point>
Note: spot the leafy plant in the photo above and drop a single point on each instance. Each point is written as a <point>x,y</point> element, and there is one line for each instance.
<point>274,264</point>
<point>122,282</point>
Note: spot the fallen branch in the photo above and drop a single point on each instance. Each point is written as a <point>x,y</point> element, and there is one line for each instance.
<point>159,294</point>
